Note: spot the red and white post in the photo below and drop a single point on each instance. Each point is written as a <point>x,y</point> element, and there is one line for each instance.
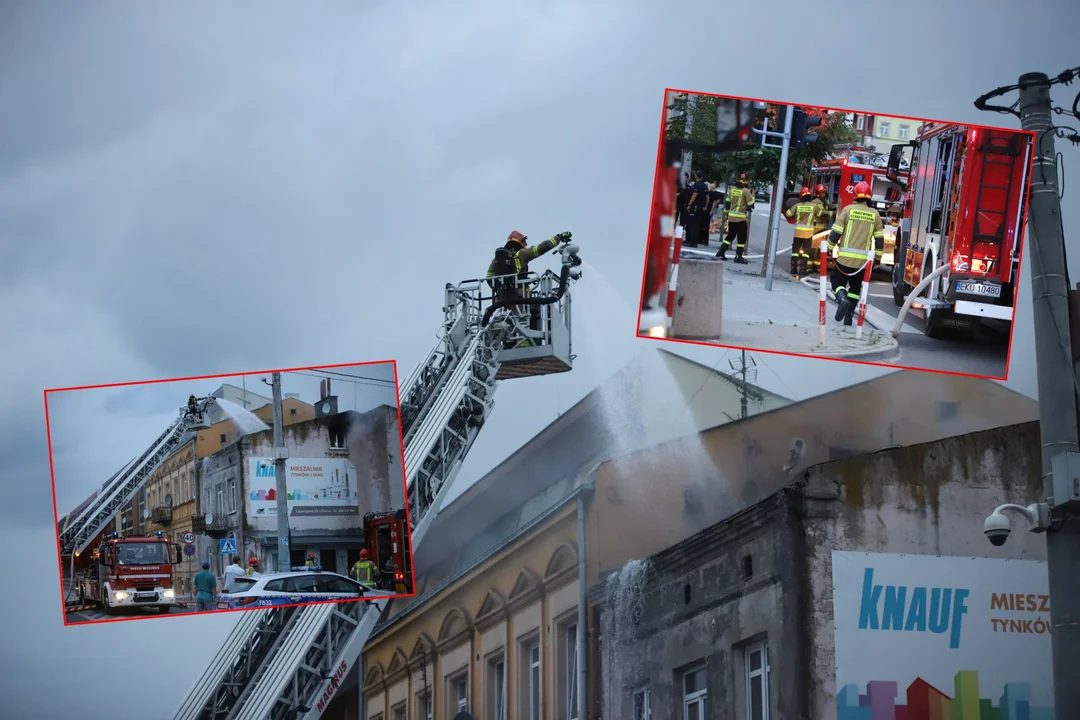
<point>864,295</point>
<point>823,290</point>
<point>673,279</point>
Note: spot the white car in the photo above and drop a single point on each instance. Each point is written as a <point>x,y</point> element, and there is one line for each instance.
<point>289,588</point>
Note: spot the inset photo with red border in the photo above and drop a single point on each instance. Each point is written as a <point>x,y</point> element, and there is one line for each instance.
<point>831,233</point>
<point>229,492</point>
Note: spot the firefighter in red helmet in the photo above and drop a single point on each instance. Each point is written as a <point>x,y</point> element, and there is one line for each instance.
<point>252,567</point>
<point>510,267</point>
<point>805,212</point>
<point>857,231</point>
<point>364,571</point>
<point>310,560</point>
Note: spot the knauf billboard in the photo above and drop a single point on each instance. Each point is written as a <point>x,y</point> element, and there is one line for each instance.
<point>318,489</point>
<point>921,637</point>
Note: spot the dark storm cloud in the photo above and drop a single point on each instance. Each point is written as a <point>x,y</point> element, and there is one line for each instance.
<point>188,188</point>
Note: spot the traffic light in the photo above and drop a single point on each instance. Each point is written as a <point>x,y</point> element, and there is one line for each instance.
<point>800,123</point>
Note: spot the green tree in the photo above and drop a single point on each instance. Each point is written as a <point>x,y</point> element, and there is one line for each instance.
<point>762,165</point>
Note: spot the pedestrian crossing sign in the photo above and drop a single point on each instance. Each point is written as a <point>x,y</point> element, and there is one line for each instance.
<point>228,546</point>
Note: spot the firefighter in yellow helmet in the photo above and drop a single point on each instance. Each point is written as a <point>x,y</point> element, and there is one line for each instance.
<point>857,230</point>
<point>364,571</point>
<point>738,205</point>
<point>806,213</point>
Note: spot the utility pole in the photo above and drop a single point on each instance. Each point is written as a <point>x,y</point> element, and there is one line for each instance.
<point>742,399</point>
<point>778,194</point>
<point>281,454</point>
<point>744,390</point>
<point>1057,377</point>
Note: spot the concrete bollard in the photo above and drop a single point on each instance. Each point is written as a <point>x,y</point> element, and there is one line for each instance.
<point>699,300</point>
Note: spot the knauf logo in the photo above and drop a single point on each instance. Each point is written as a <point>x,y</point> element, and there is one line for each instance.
<point>264,470</point>
<point>912,609</point>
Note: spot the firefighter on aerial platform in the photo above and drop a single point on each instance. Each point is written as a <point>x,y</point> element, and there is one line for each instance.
<point>509,270</point>
<point>738,205</point>
<point>857,230</point>
<point>364,571</point>
<point>806,214</point>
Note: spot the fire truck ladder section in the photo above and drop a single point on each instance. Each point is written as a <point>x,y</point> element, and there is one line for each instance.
<point>79,532</point>
<point>287,663</point>
<point>992,203</point>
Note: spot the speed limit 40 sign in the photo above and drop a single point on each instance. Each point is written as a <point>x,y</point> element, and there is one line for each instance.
<point>187,538</point>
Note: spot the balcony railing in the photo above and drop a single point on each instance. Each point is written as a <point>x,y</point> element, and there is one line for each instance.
<point>161,515</point>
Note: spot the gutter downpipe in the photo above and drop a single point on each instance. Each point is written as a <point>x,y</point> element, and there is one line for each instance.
<point>588,487</point>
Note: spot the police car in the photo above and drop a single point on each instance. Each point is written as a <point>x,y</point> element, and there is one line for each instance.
<point>299,585</point>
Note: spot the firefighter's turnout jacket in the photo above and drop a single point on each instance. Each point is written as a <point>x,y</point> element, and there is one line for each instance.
<point>857,230</point>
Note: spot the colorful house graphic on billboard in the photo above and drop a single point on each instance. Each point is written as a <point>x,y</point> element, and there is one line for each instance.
<point>923,701</point>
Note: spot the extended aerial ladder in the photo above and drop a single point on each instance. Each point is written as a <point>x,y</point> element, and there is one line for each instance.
<point>287,663</point>
<point>82,526</point>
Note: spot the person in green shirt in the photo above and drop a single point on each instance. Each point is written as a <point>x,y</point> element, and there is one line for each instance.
<point>205,588</point>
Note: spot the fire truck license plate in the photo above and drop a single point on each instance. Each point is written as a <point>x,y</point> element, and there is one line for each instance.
<point>974,288</point>
<point>146,595</point>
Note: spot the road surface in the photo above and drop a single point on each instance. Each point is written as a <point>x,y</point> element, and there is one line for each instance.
<point>986,354</point>
<point>95,615</point>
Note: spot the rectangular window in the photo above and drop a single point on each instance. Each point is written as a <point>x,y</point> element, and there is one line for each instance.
<point>191,477</point>
<point>457,692</point>
<point>220,507</point>
<point>529,690</point>
<point>860,122</point>
<point>757,682</point>
<point>337,438</point>
<point>183,496</point>
<point>423,706</point>
<point>571,666</point>
<point>398,712</point>
<point>904,131</point>
<point>496,694</point>
<point>883,129</point>
<point>232,496</point>
<point>643,705</point>
<point>695,694</point>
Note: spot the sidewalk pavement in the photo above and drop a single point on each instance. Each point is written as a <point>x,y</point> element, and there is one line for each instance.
<point>786,319</point>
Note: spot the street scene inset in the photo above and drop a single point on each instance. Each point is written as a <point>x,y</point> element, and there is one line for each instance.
<point>263,490</point>
<point>836,234</point>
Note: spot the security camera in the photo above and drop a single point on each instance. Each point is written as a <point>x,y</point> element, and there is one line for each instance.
<point>997,529</point>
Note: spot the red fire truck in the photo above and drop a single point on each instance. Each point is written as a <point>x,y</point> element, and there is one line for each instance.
<point>963,212</point>
<point>386,537</point>
<point>661,225</point>
<point>128,572</point>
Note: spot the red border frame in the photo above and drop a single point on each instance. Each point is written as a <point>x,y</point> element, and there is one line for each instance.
<point>1019,261</point>
<point>56,516</point>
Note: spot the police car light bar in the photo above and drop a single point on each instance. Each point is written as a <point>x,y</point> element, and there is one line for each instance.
<point>306,568</point>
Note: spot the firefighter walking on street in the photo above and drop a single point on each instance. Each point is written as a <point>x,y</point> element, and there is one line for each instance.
<point>824,219</point>
<point>857,230</point>
<point>806,214</point>
<point>364,571</point>
<point>509,270</point>
<point>738,205</point>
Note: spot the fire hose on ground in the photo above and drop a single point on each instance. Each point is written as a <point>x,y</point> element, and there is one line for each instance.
<point>915,294</point>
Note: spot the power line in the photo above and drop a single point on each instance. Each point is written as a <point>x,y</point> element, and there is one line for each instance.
<point>347,375</point>
<point>344,379</point>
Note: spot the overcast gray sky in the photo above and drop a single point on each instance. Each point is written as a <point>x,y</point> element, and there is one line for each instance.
<point>189,188</point>
<point>95,431</point>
